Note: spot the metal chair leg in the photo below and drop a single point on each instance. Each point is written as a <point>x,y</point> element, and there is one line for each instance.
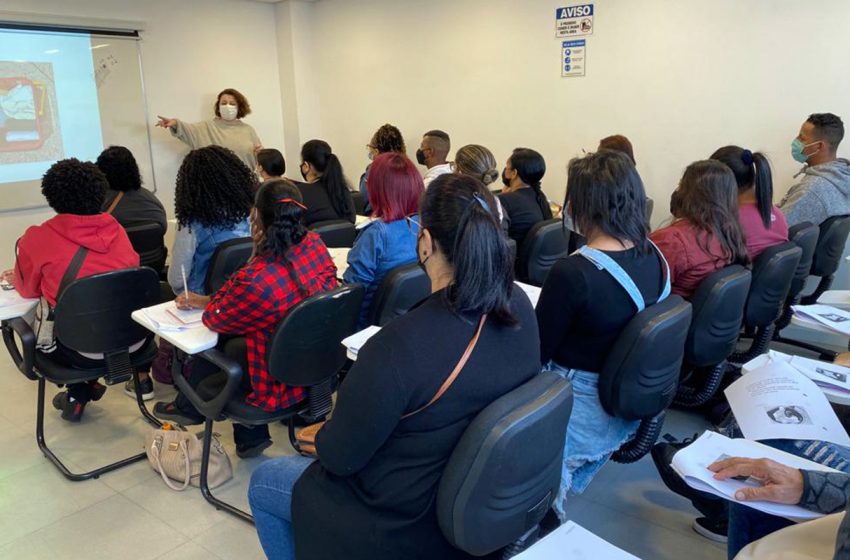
<point>42,444</point>
<point>150,418</point>
<point>204,483</point>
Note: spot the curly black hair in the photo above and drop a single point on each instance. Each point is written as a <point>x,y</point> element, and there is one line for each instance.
<point>120,168</point>
<point>72,186</point>
<point>214,188</point>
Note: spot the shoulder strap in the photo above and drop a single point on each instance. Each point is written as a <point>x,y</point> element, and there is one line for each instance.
<point>73,270</point>
<point>455,372</point>
<point>115,202</point>
<point>606,263</point>
<point>665,291</point>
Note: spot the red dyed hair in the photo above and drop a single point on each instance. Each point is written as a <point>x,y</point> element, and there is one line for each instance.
<point>395,186</point>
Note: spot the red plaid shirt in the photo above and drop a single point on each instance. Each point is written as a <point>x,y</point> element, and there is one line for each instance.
<point>255,300</point>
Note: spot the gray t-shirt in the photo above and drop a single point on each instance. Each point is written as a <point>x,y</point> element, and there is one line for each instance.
<point>234,135</point>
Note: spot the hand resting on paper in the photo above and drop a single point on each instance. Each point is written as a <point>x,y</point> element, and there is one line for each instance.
<point>779,484</point>
<point>189,300</point>
<point>7,279</point>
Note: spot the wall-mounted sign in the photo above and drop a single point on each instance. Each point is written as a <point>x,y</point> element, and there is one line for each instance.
<point>574,21</point>
<point>573,57</point>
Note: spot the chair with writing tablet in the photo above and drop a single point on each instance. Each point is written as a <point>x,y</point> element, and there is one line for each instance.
<point>336,233</point>
<point>92,315</point>
<point>505,471</point>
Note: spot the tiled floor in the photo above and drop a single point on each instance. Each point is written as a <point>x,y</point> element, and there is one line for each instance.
<point>130,514</point>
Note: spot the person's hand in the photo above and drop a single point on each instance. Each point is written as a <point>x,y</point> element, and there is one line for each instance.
<point>843,359</point>
<point>189,300</point>
<point>8,276</point>
<point>165,122</point>
<point>780,484</point>
<point>257,147</point>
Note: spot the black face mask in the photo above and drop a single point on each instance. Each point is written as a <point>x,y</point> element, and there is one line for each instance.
<point>420,157</point>
<point>505,180</point>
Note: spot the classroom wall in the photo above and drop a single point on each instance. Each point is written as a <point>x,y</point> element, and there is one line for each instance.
<point>191,49</point>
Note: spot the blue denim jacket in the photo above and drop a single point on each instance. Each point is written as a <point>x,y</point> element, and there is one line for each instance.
<point>193,249</point>
<point>379,248</point>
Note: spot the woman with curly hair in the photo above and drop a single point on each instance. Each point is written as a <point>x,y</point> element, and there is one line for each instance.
<point>75,190</point>
<point>226,129</point>
<point>386,139</point>
<point>128,201</point>
<point>289,262</point>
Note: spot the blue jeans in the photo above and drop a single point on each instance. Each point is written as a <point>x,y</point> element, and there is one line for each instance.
<point>592,434</point>
<point>747,524</point>
<point>270,496</point>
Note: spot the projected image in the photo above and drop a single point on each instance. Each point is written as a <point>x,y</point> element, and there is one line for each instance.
<point>29,125</point>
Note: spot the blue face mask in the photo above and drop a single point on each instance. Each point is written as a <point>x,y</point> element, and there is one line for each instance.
<point>797,148</point>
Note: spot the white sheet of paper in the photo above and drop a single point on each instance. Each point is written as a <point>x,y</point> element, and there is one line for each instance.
<point>824,374</point>
<point>836,298</point>
<point>775,401</point>
<point>533,292</point>
<point>164,316</point>
<point>692,465</point>
<point>574,542</point>
<point>356,341</point>
<point>340,258</point>
<point>833,318</point>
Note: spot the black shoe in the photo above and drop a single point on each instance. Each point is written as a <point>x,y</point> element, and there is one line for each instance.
<point>662,456</point>
<point>97,390</point>
<point>147,389</point>
<point>252,449</point>
<point>712,530</point>
<point>72,410</point>
<point>170,412</point>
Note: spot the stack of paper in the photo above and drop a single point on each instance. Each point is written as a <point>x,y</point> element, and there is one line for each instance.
<point>692,465</point>
<point>355,342</point>
<point>573,541</point>
<point>826,375</point>
<point>166,317</point>
<point>827,316</point>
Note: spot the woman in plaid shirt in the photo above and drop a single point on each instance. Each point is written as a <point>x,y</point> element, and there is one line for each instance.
<point>289,264</point>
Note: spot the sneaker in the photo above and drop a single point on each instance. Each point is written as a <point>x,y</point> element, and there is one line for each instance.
<point>72,410</point>
<point>97,390</point>
<point>662,456</point>
<point>147,389</point>
<point>712,530</point>
<point>252,449</point>
<point>170,412</point>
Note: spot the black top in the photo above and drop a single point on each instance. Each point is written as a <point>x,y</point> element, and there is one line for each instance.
<point>522,211</point>
<point>372,493</point>
<point>319,209</point>
<point>582,309</point>
<point>136,206</point>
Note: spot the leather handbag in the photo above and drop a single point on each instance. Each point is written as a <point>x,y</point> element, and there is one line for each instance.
<point>176,455</point>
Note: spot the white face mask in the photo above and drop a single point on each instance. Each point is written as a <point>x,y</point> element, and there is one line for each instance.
<point>228,112</point>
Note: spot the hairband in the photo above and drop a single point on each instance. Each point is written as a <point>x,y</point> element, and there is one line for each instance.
<point>480,200</point>
<point>291,201</point>
<point>747,157</point>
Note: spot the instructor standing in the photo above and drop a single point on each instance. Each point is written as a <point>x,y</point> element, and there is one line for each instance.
<point>226,129</point>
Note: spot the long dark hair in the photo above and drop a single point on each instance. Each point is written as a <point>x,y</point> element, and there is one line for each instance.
<point>752,171</point>
<point>214,188</point>
<point>530,166</point>
<point>605,193</point>
<point>282,219</point>
<point>461,216</point>
<point>708,199</point>
<point>318,154</point>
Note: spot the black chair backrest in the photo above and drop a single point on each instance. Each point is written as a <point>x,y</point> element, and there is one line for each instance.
<point>718,311</point>
<point>512,247</point>
<point>148,240</point>
<point>359,202</point>
<point>306,348</point>
<point>640,375</point>
<point>544,244</point>
<point>773,271</point>
<point>805,236</point>
<point>401,289</point>
<point>336,233</point>
<point>830,247</point>
<point>93,313</point>
<point>228,257</point>
<point>506,469</point>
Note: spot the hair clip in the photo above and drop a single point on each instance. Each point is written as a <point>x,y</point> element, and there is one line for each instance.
<point>480,199</point>
<point>747,157</point>
<point>291,201</point>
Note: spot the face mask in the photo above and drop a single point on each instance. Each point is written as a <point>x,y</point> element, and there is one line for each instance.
<point>228,112</point>
<point>505,180</point>
<point>420,157</point>
<point>371,156</point>
<point>797,148</point>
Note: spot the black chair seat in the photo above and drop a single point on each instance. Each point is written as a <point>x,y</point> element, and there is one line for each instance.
<point>61,374</point>
<point>238,410</point>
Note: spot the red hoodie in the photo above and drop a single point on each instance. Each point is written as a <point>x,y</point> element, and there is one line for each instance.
<point>44,252</point>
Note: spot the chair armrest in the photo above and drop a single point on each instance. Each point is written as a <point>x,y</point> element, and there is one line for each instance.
<point>24,362</point>
<point>210,408</point>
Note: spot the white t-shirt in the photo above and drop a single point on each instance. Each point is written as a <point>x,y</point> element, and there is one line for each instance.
<point>435,172</point>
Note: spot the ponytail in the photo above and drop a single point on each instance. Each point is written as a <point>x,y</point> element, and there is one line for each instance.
<point>763,184</point>
<point>752,171</point>
<point>542,201</point>
<point>530,166</point>
<point>337,187</point>
<point>278,205</point>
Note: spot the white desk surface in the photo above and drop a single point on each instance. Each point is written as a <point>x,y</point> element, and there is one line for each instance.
<point>191,341</point>
<point>833,396</point>
<point>12,305</point>
<point>798,321</point>
<point>340,258</point>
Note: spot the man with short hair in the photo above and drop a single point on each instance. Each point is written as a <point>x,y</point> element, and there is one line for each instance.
<point>824,190</point>
<point>432,153</point>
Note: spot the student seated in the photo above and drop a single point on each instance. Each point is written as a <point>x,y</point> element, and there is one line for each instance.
<point>325,193</point>
<point>762,223</point>
<point>706,234</point>
<point>390,240</point>
<point>824,189</point>
<point>289,264</point>
<point>372,491</point>
<point>270,164</point>
<point>477,161</point>
<point>523,201</point>
<point>126,200</point>
<point>590,296</point>
<point>618,143</point>
<point>432,153</point>
<point>75,190</point>
<point>212,200</point>
<point>386,139</point>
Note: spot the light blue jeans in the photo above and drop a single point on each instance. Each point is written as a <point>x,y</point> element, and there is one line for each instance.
<point>592,434</point>
<point>270,496</point>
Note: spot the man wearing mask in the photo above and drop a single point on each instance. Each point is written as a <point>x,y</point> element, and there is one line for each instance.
<point>824,189</point>
<point>432,153</point>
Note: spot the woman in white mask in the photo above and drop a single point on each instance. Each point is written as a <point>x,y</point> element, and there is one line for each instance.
<point>226,129</point>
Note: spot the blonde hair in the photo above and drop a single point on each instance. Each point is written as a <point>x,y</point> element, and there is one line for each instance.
<point>477,161</point>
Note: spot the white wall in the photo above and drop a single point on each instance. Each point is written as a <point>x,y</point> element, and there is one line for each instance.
<point>191,49</point>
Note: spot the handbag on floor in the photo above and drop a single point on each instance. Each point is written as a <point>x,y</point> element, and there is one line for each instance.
<point>176,455</point>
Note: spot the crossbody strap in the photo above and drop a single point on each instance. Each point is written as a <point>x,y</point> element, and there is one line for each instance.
<point>73,270</point>
<point>115,202</point>
<point>456,371</point>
